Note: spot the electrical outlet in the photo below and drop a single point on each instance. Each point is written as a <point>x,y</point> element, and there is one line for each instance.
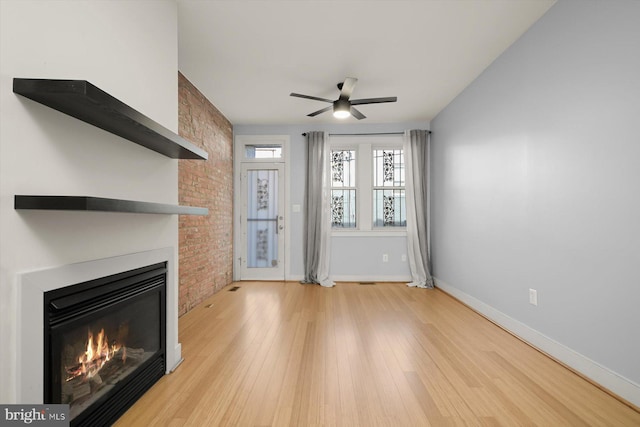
<point>404,258</point>
<point>385,257</point>
<point>533,297</point>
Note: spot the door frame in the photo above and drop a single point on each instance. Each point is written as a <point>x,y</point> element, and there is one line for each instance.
<point>239,159</point>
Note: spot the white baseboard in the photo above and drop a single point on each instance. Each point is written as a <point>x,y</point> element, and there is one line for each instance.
<point>374,278</point>
<point>597,373</point>
<point>357,278</point>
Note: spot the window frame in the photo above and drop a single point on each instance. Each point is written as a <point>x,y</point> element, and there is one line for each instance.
<point>393,188</point>
<point>356,179</point>
<point>364,147</point>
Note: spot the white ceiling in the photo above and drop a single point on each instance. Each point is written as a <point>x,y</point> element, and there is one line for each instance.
<point>247,56</point>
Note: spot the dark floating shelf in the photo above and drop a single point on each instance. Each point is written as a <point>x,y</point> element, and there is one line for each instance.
<point>99,204</point>
<point>86,102</point>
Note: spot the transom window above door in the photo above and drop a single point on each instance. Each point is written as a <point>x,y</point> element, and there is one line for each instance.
<point>263,151</point>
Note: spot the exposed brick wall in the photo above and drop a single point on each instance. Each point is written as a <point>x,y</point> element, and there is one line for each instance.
<point>205,242</point>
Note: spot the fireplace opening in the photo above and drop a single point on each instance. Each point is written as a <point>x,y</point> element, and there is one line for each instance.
<point>105,343</point>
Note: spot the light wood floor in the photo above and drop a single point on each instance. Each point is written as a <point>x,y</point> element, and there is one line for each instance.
<point>285,354</point>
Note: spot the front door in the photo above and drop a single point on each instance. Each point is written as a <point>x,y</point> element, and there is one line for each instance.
<point>262,222</point>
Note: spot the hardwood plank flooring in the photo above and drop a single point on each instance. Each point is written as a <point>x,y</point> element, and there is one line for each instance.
<point>285,354</point>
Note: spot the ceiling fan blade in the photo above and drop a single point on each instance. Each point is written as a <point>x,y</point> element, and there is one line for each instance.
<point>357,114</point>
<point>347,87</point>
<point>373,100</point>
<point>315,113</point>
<point>310,97</point>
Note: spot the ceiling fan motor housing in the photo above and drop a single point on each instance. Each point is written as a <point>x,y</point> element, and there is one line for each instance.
<point>341,108</point>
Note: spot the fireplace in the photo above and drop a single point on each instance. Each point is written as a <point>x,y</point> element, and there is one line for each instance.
<point>104,343</point>
<point>60,286</point>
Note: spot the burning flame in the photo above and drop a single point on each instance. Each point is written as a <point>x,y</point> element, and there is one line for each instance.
<point>97,353</point>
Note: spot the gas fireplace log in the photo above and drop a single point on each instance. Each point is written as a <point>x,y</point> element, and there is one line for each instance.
<point>77,389</point>
<point>135,353</point>
<point>77,369</point>
<point>95,382</point>
<point>81,385</point>
<point>125,353</point>
<point>113,369</point>
<point>81,390</point>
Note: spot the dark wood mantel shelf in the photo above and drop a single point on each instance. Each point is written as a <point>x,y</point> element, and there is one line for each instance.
<point>86,102</point>
<point>99,204</point>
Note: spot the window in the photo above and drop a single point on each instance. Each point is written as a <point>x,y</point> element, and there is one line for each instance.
<point>264,151</point>
<point>343,188</point>
<point>388,189</point>
<point>367,183</point>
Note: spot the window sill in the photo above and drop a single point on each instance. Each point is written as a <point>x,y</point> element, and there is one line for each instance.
<point>369,233</point>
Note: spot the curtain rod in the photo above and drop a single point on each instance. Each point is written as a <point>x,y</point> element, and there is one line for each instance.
<point>365,134</point>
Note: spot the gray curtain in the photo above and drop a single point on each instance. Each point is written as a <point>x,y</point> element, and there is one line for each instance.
<point>317,226</point>
<point>416,151</point>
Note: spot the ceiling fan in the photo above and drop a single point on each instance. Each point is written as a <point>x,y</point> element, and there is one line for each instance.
<point>343,106</point>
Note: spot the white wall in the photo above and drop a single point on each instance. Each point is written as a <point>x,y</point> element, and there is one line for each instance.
<point>536,184</point>
<point>128,49</point>
<point>352,258</point>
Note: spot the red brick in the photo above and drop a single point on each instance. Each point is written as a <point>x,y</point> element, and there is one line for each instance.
<point>205,243</point>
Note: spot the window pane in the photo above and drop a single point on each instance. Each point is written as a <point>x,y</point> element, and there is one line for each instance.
<point>263,151</point>
<point>389,208</point>
<point>388,168</point>
<point>343,168</point>
<point>388,193</point>
<point>262,214</point>
<point>343,193</point>
<point>343,208</point>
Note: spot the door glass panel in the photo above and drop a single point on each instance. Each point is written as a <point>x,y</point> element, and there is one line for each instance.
<point>262,219</point>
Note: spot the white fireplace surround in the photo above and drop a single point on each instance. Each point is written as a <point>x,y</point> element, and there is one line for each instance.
<point>30,328</point>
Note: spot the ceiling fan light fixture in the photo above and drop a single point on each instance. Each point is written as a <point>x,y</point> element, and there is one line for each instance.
<point>341,109</point>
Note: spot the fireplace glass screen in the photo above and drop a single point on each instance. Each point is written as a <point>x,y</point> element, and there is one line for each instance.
<point>104,336</point>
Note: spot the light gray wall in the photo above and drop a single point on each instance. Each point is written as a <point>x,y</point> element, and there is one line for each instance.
<point>536,182</point>
<point>352,258</point>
